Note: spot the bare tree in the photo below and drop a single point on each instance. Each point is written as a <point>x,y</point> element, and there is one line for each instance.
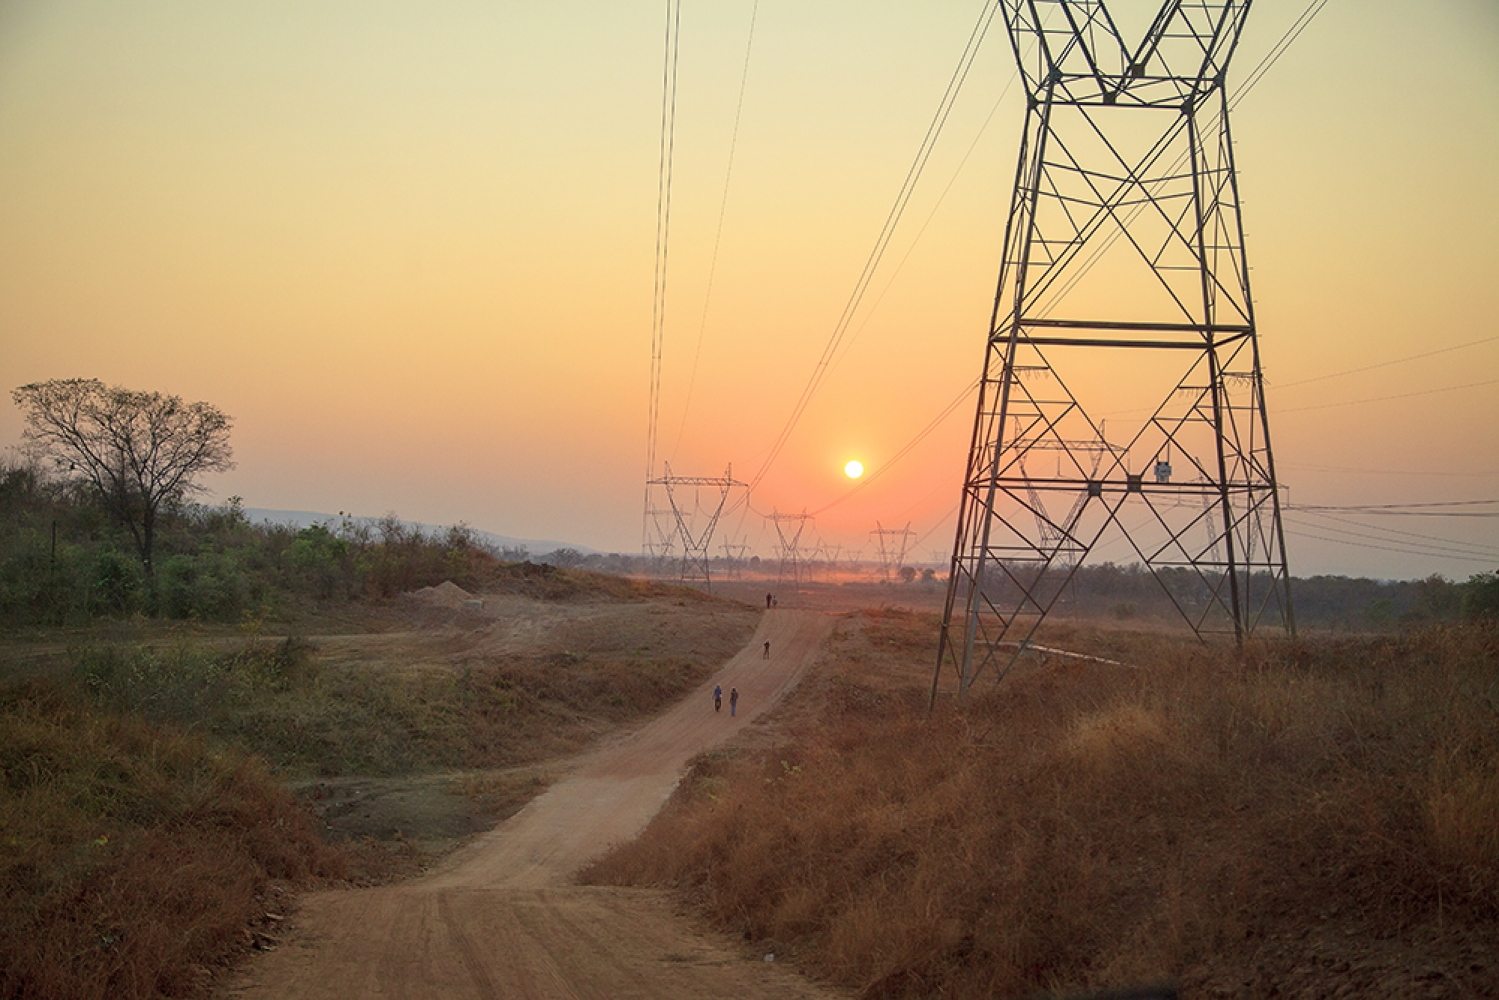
<point>135,450</point>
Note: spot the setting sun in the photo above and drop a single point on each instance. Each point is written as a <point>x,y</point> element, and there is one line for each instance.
<point>854,469</point>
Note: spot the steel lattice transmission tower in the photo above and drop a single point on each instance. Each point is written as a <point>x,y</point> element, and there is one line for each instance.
<point>789,528</point>
<point>696,521</point>
<point>1123,294</point>
<point>734,557</point>
<point>893,553</point>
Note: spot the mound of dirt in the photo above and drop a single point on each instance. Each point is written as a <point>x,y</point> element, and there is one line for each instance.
<point>445,595</point>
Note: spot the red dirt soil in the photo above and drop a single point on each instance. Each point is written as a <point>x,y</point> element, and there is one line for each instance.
<point>502,918</point>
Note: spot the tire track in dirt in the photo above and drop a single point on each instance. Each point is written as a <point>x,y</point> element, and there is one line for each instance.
<point>483,985</point>
<point>501,918</point>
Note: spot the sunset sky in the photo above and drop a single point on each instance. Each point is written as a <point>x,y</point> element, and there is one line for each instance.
<point>409,248</point>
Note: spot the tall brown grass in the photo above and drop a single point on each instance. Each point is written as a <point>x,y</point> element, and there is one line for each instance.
<point>1082,825</point>
<point>132,858</point>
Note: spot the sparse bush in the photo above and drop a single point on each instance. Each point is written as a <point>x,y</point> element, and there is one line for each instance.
<point>565,558</point>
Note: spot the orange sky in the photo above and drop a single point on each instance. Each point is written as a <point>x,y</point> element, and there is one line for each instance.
<point>409,248</point>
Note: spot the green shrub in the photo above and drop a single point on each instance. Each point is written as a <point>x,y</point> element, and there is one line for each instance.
<point>319,562</point>
<point>116,580</point>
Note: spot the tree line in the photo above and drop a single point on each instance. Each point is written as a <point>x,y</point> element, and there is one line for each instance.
<point>65,560</point>
<point>97,518</point>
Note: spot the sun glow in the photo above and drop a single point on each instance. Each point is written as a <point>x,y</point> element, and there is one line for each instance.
<point>854,469</point>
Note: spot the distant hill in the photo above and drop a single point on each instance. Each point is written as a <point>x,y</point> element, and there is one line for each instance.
<point>304,518</point>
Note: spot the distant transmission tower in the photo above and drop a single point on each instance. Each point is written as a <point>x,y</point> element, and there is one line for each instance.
<point>733,557</point>
<point>828,553</point>
<point>660,534</point>
<point>893,551</point>
<point>696,519</point>
<point>1123,283</point>
<point>789,528</point>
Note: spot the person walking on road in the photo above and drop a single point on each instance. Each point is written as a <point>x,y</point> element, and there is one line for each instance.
<point>766,655</point>
<point>733,701</point>
<point>717,697</point>
<point>767,602</point>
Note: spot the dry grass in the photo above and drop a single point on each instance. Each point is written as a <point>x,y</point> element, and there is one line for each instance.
<point>520,710</point>
<point>133,859</point>
<point>277,700</point>
<point>1085,825</point>
<point>141,845</point>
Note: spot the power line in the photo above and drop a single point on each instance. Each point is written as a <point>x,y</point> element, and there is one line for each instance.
<point>663,232</point>
<point>1413,509</point>
<point>1436,513</point>
<point>930,216</point>
<point>1425,548</point>
<point>1384,548</point>
<point>824,363</point>
<point>1381,399</point>
<point>921,436</point>
<point>1370,399</point>
<point>1458,544</point>
<point>1399,506</point>
<point>1386,472</point>
<point>1255,75</point>
<point>1289,37</point>
<point>718,233</point>
<point>1386,364</point>
<point>941,521</point>
<point>1279,48</point>
<point>902,198</point>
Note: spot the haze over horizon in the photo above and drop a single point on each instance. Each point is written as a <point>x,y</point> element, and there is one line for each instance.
<point>409,249</point>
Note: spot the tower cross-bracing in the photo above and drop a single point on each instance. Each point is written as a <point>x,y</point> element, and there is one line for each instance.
<point>891,543</point>
<point>789,528</point>
<point>696,520</point>
<point>660,532</point>
<point>733,557</point>
<point>828,553</point>
<point>1123,294</point>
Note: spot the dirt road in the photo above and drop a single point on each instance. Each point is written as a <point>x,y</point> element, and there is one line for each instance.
<point>502,917</point>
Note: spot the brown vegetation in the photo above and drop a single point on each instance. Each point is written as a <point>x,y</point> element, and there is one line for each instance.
<point>144,834</point>
<point>1301,816</point>
<point>132,857</point>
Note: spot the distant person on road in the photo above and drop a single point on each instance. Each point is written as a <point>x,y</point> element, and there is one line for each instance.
<point>775,602</point>
<point>733,701</point>
<point>767,602</point>
<point>717,697</point>
<point>767,650</point>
